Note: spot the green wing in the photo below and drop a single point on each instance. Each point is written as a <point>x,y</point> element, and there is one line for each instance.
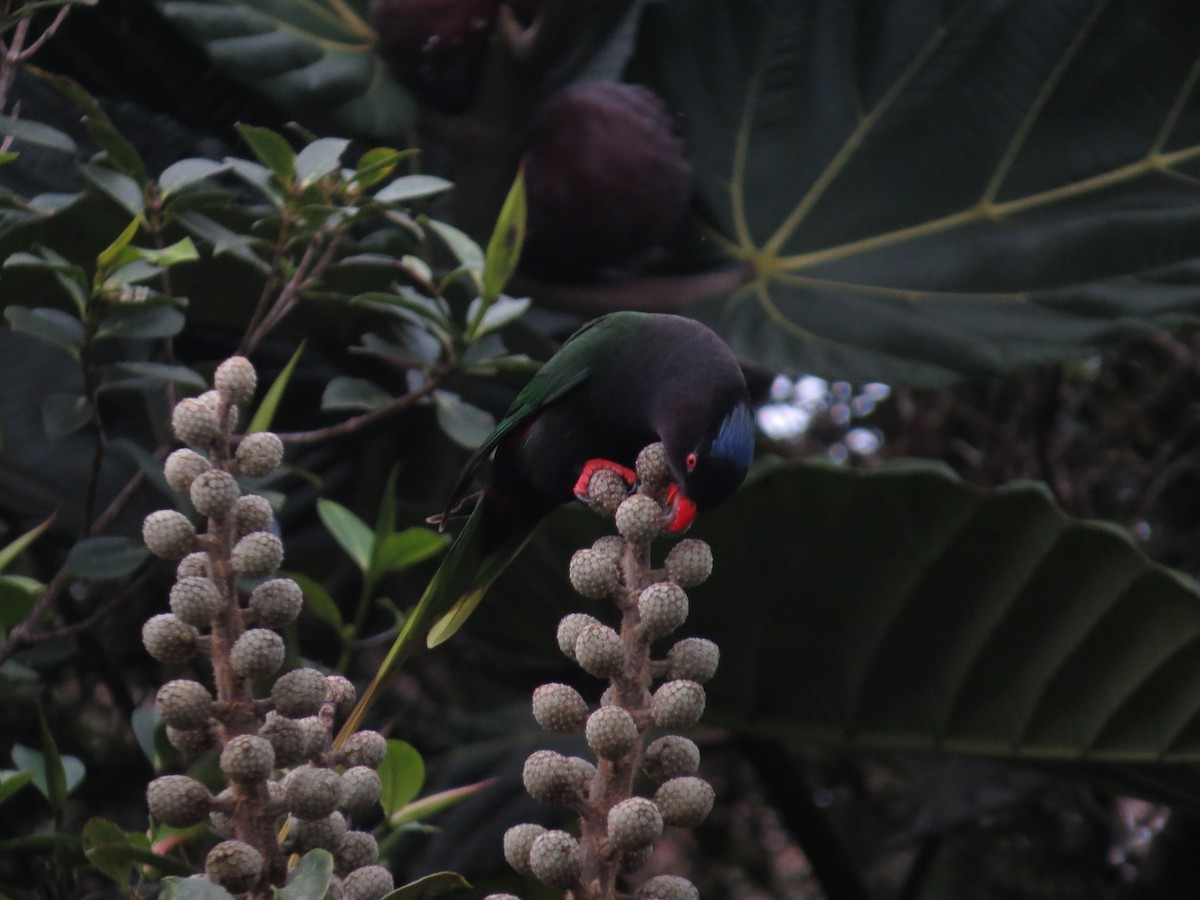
<point>564,371</point>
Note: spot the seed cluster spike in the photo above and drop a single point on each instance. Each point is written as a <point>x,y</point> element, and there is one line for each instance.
<point>618,829</point>
<point>257,721</point>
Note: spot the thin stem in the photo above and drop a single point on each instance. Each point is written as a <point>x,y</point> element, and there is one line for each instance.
<point>349,426</point>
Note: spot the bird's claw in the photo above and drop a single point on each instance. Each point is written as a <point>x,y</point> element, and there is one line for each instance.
<point>592,466</point>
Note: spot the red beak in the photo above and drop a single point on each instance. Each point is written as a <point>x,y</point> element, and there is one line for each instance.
<point>683,510</point>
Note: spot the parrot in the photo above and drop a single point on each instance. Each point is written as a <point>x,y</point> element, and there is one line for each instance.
<point>619,383</point>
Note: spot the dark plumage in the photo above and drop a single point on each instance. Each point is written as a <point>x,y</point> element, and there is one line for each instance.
<point>619,383</point>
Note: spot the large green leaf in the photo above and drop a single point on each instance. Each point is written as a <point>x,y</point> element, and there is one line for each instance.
<point>907,610</point>
<point>924,190</point>
<point>314,59</point>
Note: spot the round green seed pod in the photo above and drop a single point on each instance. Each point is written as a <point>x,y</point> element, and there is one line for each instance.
<point>652,468</point>
<point>258,455</point>
<point>191,743</point>
<point>177,800</point>
<point>685,801</point>
<point>234,865</point>
<point>195,601</point>
<point>182,467</point>
<point>368,883</point>
<point>554,779</point>
<point>194,565</point>
<point>677,704</point>
<point>689,562</point>
<point>634,823</point>
<point>569,629</point>
<point>518,841</point>
<point>184,704</point>
<point>257,555</point>
<point>361,789</point>
<point>663,608</point>
<point>258,653</point>
<point>593,574</point>
<point>287,738</point>
<point>599,651</point>
<point>312,792</point>
<point>212,400</point>
<point>358,849</point>
<point>559,708</point>
<point>168,639</point>
<point>611,732</point>
<point>168,534</point>
<point>235,380</point>
<point>606,489</point>
<point>248,759</point>
<point>194,423</point>
<point>363,748</point>
<point>668,887</point>
<point>252,513</point>
<point>694,659</point>
<point>324,834</point>
<point>339,691</point>
<point>556,860</point>
<point>299,693</point>
<point>611,545</point>
<point>639,519</point>
<point>214,492</point>
<point>276,603</point>
<point>671,756</point>
<point>317,736</point>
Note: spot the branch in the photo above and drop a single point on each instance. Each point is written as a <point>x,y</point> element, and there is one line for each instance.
<point>354,424</point>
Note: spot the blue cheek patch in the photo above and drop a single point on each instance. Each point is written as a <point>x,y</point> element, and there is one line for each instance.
<point>735,437</point>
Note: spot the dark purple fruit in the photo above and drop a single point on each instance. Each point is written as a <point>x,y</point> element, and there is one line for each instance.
<point>606,179</point>
<point>435,48</point>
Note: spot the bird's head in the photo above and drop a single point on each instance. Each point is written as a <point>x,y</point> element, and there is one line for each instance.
<point>707,471</point>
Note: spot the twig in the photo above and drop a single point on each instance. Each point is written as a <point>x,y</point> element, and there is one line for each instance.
<point>354,424</point>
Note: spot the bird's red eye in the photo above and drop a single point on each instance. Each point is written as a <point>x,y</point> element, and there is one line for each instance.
<point>692,459</point>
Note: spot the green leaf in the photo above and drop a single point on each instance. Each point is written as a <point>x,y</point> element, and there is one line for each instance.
<point>193,889</point>
<point>402,774</point>
<point>180,252</point>
<point>907,610</point>
<point>467,425</point>
<point>109,254</point>
<point>351,533</point>
<point>54,773</point>
<point>17,597</point>
<point>319,158</point>
<point>465,250</point>
<point>27,131</point>
<point>145,722</point>
<point>224,240</point>
<point>120,187</point>
<point>377,164</point>
<point>316,60</point>
<point>107,847</point>
<point>272,150</point>
<point>309,880</point>
<point>504,247</point>
<point>495,316</point>
<point>318,601</point>
<point>51,325</point>
<point>146,323</point>
<point>403,549</point>
<point>187,172</point>
<point>412,187</point>
<point>106,558</point>
<point>265,414</point>
<point>163,372</point>
<point>19,545</point>
<point>895,221</point>
<point>419,810</point>
<point>64,414</point>
<point>430,886</point>
<point>11,782</point>
<point>344,392</point>
<point>120,154</point>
